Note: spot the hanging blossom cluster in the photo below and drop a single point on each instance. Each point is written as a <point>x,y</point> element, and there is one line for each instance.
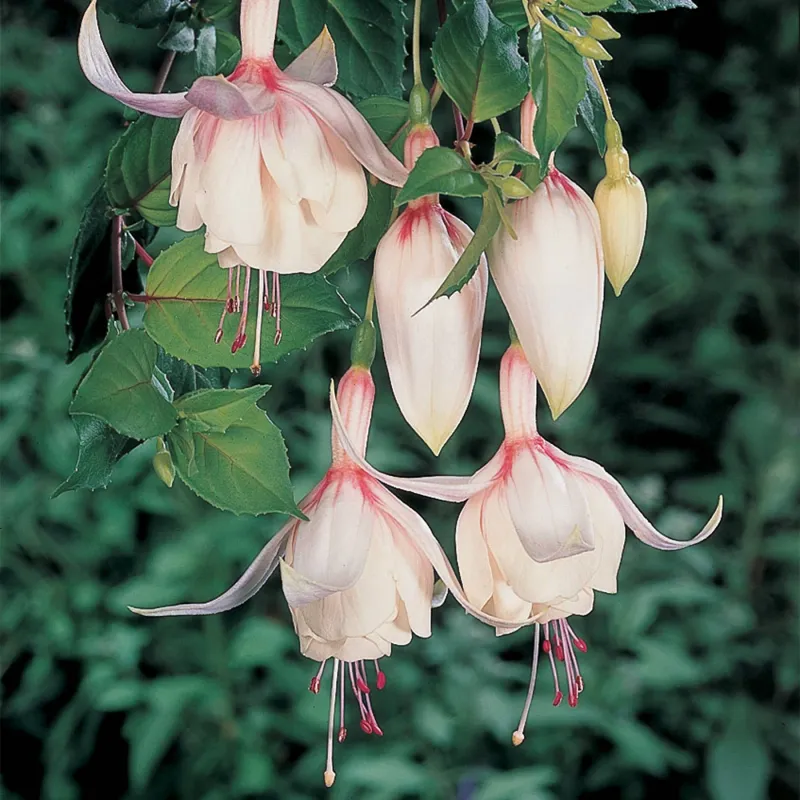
<point>272,163</point>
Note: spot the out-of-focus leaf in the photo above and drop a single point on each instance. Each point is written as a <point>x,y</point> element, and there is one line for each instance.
<point>477,61</point>
<point>592,112</point>
<point>644,6</point>
<point>186,291</point>
<point>123,389</point>
<point>141,13</point>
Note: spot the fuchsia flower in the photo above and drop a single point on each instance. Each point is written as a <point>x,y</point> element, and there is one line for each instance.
<point>550,277</point>
<point>432,356</point>
<point>358,575</point>
<point>540,532</point>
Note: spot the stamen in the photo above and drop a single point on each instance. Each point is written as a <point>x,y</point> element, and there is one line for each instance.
<point>237,303</point>
<point>226,309</point>
<point>329,775</point>
<point>315,681</point>
<point>276,306</point>
<point>229,297</point>
<point>380,676</point>
<point>241,335</point>
<point>255,367</point>
<point>364,723</point>
<point>559,695</point>
<point>518,737</point>
<point>342,730</point>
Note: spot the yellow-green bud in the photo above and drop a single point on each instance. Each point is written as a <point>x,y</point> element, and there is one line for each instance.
<point>419,105</point>
<point>514,188</point>
<point>622,207</point>
<point>505,167</point>
<point>162,463</point>
<point>600,28</point>
<point>588,47</point>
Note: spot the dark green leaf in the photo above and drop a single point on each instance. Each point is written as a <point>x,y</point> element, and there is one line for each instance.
<point>465,267</point>
<point>205,54</point>
<point>244,468</point>
<point>99,449</point>
<point>216,9</point>
<point>558,84</point>
<point>509,150</point>
<point>186,290</point>
<point>180,37</point>
<point>511,12</point>
<point>592,112</point>
<point>569,16</point>
<point>441,170</point>
<point>591,5</point>
<point>141,13</point>
<point>89,275</point>
<point>185,378</point>
<point>228,52</point>
<point>217,410</point>
<point>138,169</point>
<point>387,116</point>
<point>369,37</point>
<point>645,6</point>
<point>476,59</point>
<point>122,389</point>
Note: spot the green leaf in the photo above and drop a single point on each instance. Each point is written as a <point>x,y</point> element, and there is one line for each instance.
<point>509,150</point>
<point>558,85</point>
<point>646,6</point>
<point>244,468</point>
<point>99,449</point>
<point>738,762</point>
<point>592,111</point>
<point>228,52</point>
<point>122,389</point>
<point>89,275</point>
<point>387,116</point>
<point>141,13</point>
<point>441,170</point>
<point>138,169</point>
<point>476,59</point>
<point>205,53</point>
<point>216,9</point>
<point>180,37</point>
<point>217,410</point>
<point>571,17</point>
<point>369,38</point>
<point>591,5</point>
<point>186,378</point>
<point>465,267</point>
<point>186,290</point>
<point>510,12</point>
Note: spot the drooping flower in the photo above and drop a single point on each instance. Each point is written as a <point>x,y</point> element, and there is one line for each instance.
<point>622,205</point>
<point>542,531</point>
<point>269,160</point>
<point>358,575</point>
<point>551,280</point>
<point>432,355</point>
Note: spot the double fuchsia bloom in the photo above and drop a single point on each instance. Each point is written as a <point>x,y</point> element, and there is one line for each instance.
<point>541,532</point>
<point>432,356</point>
<point>270,161</point>
<point>358,575</point>
<point>551,279</point>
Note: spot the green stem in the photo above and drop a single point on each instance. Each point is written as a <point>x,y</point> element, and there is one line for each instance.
<point>415,42</point>
<point>602,87</point>
<point>370,301</point>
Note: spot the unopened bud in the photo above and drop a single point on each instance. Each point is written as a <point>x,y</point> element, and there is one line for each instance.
<point>588,47</point>
<point>514,188</point>
<point>419,105</point>
<point>600,28</point>
<point>162,463</point>
<point>622,206</point>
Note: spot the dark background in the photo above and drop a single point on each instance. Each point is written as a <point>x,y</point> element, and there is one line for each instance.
<point>692,669</point>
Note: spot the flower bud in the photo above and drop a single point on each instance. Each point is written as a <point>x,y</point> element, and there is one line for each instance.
<point>419,105</point>
<point>514,188</point>
<point>622,206</point>
<point>588,47</point>
<point>601,28</point>
<point>162,463</point>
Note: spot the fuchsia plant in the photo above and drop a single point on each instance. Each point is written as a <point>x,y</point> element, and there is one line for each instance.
<point>270,164</point>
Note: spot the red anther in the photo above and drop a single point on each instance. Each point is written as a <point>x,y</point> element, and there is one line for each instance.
<point>314,685</point>
<point>342,735</point>
<point>229,305</point>
<point>365,726</point>
<point>558,698</point>
<point>238,342</point>
<point>579,683</point>
<point>218,336</point>
<point>546,645</point>
<point>559,652</point>
<point>380,680</point>
<point>572,699</point>
<point>375,729</point>
<point>580,644</point>
<point>278,337</point>
<point>267,305</point>
<point>362,686</point>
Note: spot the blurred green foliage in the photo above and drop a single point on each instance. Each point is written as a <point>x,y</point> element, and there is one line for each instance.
<point>692,673</point>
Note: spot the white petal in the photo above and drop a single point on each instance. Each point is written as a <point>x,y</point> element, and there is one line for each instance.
<point>254,577</point>
<point>317,63</point>
<point>610,534</point>
<point>581,604</point>
<point>347,123</point>
<point>432,354</point>
<point>472,554</point>
<point>332,547</point>
<point>98,69</point>
<point>551,281</point>
<point>634,518</point>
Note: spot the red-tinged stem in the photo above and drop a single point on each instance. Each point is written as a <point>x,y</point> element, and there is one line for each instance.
<point>116,273</point>
<point>163,72</point>
<point>137,298</point>
<point>441,6</point>
<point>143,254</point>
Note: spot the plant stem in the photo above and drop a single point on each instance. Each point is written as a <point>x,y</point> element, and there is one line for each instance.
<point>601,86</point>
<point>496,126</point>
<point>370,300</point>
<point>163,72</point>
<point>116,273</point>
<point>415,42</point>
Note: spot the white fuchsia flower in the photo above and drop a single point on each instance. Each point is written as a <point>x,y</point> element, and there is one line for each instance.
<point>431,354</point>
<point>358,575</point>
<point>541,531</point>
<point>550,276</point>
